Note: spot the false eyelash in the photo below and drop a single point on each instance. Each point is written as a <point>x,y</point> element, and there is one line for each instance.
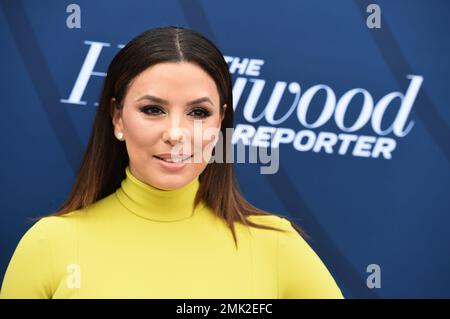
<point>144,109</point>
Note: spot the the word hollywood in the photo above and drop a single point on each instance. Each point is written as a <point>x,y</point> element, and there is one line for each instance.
<point>343,140</point>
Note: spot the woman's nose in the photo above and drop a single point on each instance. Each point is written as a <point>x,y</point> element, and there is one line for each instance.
<point>175,135</point>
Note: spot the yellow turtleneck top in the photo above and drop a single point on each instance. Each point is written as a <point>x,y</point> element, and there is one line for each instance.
<point>144,242</point>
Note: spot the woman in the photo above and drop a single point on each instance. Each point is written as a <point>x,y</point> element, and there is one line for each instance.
<point>146,220</point>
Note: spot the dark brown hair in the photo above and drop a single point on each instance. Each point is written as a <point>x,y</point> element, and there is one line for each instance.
<point>103,166</point>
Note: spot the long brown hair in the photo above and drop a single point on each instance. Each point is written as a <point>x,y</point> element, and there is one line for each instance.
<point>103,166</point>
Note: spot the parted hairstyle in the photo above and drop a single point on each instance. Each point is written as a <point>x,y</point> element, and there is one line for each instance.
<point>103,165</point>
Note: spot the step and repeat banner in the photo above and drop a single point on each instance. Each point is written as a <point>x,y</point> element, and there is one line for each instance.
<point>353,94</point>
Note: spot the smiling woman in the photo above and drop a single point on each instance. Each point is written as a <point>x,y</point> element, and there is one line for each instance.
<point>142,220</point>
<point>158,114</point>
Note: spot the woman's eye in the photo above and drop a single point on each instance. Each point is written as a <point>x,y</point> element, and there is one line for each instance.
<point>151,110</point>
<point>155,110</point>
<point>200,113</point>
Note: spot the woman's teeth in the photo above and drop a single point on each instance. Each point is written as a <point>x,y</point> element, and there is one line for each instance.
<point>174,160</point>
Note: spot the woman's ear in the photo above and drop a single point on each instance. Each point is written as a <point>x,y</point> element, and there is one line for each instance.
<point>116,115</point>
<point>112,107</point>
<point>223,113</point>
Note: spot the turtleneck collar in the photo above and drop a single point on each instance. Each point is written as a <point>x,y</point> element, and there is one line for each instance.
<point>156,204</point>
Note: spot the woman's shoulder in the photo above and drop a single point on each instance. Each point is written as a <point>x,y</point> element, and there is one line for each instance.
<point>53,226</point>
<point>272,219</point>
<point>62,222</point>
<point>45,244</point>
<point>279,226</point>
<point>288,235</point>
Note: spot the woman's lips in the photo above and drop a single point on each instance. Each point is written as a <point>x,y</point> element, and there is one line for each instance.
<point>172,165</point>
<point>174,159</point>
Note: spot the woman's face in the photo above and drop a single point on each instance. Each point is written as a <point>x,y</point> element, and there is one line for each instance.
<point>174,124</point>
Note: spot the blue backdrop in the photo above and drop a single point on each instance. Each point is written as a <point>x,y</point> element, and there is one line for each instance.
<point>364,167</point>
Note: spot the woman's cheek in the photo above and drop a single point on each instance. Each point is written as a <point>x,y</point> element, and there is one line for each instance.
<point>141,137</point>
<point>210,138</point>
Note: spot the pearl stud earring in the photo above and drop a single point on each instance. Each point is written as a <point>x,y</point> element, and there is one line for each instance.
<point>120,135</point>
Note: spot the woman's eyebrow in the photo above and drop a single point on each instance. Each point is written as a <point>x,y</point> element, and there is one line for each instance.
<point>162,101</point>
